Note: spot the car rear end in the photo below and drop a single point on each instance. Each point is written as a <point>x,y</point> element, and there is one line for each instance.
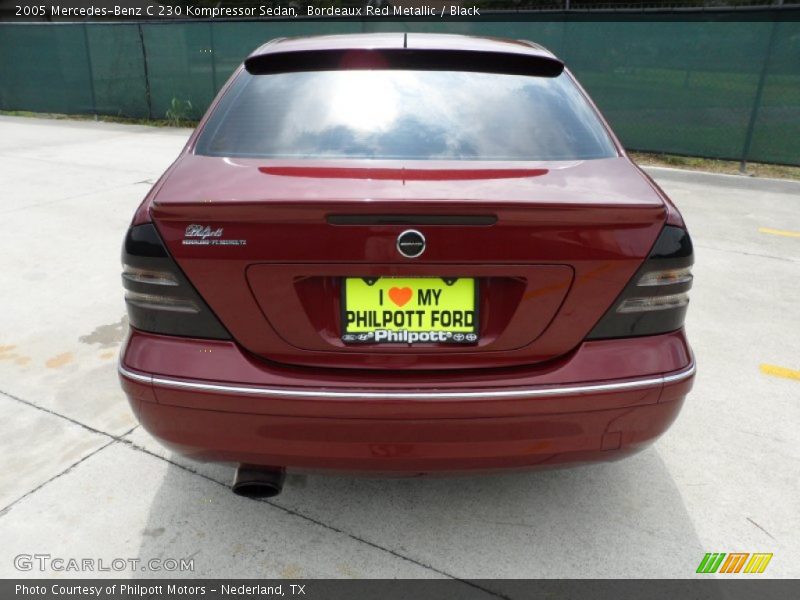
<point>405,254</point>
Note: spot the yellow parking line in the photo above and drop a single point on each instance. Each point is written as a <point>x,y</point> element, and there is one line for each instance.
<point>779,232</point>
<point>780,371</point>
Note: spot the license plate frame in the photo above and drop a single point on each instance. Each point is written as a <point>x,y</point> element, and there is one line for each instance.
<point>421,329</point>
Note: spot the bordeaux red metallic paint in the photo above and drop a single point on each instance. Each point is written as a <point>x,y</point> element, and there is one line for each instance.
<point>552,244</point>
<point>547,221</point>
<point>394,435</point>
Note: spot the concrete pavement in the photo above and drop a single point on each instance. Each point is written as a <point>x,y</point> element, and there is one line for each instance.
<point>79,479</point>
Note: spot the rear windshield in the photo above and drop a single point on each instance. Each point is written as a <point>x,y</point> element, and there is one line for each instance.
<point>413,115</point>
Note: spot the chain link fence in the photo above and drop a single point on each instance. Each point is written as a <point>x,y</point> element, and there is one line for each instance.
<point>713,86</point>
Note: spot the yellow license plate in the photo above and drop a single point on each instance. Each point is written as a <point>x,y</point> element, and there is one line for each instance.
<point>408,310</point>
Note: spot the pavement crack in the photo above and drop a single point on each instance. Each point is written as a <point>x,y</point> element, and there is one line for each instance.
<point>310,519</point>
<point>757,254</point>
<point>112,440</point>
<point>763,437</point>
<point>760,527</point>
<point>64,163</point>
<point>59,415</point>
<point>7,508</point>
<point>66,198</point>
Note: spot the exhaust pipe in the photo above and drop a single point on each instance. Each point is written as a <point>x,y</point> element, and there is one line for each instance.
<point>253,481</point>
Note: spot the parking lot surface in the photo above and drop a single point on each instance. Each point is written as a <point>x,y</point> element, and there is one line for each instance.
<point>79,479</point>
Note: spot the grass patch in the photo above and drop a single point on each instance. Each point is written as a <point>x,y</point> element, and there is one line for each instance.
<point>103,118</point>
<point>713,165</point>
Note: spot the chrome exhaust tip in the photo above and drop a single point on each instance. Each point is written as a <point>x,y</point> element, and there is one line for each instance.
<point>253,481</point>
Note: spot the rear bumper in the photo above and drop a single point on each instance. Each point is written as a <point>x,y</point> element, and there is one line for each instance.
<point>211,401</point>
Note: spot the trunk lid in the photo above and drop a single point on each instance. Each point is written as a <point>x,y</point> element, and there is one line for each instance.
<point>267,243</point>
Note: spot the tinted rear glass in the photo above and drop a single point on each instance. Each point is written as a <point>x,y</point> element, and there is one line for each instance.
<point>412,115</point>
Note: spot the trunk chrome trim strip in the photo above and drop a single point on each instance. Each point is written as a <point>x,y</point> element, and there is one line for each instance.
<point>158,380</point>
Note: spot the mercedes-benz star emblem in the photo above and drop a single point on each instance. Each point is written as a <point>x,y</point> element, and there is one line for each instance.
<point>411,243</point>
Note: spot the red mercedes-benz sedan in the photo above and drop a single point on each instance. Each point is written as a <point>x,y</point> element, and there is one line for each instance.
<point>404,254</point>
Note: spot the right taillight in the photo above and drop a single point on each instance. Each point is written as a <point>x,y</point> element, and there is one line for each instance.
<point>656,298</point>
<point>159,297</point>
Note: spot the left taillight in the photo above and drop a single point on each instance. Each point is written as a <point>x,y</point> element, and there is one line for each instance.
<point>158,296</point>
<point>656,298</point>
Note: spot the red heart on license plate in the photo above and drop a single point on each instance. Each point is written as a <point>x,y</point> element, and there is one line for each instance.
<point>400,296</point>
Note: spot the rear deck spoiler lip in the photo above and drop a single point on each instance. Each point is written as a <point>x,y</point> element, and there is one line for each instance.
<point>402,173</point>
<point>424,59</point>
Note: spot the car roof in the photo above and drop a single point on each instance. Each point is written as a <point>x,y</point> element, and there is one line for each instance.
<point>420,41</point>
